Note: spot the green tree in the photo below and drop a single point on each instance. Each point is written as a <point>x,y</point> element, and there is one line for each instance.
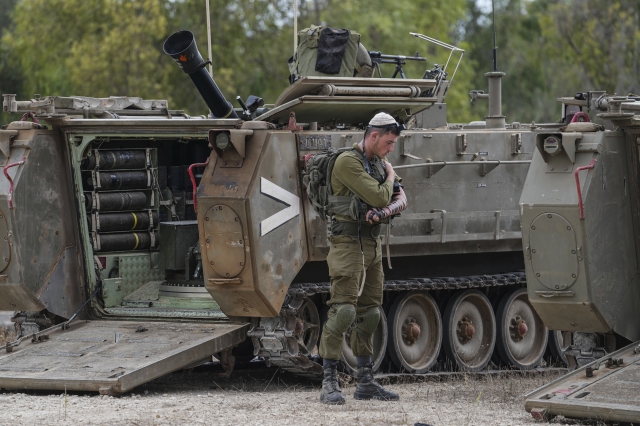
<point>96,47</point>
<point>526,92</point>
<point>250,47</point>
<point>553,48</point>
<point>386,26</point>
<point>10,71</point>
<point>604,42</point>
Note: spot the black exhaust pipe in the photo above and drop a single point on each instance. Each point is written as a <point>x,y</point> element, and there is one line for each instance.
<point>181,46</point>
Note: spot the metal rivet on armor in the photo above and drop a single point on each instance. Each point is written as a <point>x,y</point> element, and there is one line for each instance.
<point>573,252</point>
<point>557,287</point>
<point>208,241</point>
<point>538,274</point>
<point>549,216</point>
<point>573,275</point>
<point>206,218</point>
<point>533,227</point>
<point>533,250</point>
<point>241,263</point>
<point>236,219</point>
<point>227,274</point>
<point>211,263</point>
<point>568,228</point>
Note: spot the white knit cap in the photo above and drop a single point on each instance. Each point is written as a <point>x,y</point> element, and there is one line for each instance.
<point>382,119</point>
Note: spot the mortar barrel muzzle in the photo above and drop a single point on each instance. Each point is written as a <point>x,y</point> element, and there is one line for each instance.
<point>181,46</point>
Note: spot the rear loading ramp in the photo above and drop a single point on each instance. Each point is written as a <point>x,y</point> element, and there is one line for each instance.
<point>113,357</point>
<point>610,393</point>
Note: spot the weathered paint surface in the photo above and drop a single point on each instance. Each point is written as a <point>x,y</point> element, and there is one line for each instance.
<point>600,390</point>
<point>113,356</point>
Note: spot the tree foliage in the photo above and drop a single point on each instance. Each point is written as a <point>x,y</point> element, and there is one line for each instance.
<point>604,42</point>
<point>548,48</point>
<point>70,47</point>
<point>553,48</point>
<point>11,77</point>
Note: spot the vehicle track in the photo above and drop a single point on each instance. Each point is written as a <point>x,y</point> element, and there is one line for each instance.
<point>289,340</point>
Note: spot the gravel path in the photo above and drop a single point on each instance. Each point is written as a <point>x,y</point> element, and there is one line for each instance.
<point>267,396</point>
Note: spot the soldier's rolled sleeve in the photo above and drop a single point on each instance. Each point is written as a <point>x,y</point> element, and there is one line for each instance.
<point>350,172</point>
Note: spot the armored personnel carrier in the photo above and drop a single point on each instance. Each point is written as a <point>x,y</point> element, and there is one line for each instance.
<point>580,220</point>
<point>175,237</point>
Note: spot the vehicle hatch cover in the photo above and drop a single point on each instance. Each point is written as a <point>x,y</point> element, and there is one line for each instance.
<point>113,356</point>
<point>554,258</point>
<point>610,392</point>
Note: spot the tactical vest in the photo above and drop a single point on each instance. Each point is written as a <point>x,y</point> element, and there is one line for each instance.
<point>317,177</point>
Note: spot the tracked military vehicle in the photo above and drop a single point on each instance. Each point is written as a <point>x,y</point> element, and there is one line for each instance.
<point>184,237</point>
<point>580,220</point>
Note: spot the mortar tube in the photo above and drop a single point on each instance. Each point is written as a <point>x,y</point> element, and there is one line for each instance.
<point>181,46</point>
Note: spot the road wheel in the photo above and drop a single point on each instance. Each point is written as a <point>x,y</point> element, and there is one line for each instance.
<point>307,328</point>
<point>415,332</point>
<point>556,347</point>
<point>522,336</point>
<point>469,330</point>
<point>348,360</point>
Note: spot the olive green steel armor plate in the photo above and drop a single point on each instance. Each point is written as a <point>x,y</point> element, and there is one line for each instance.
<point>5,249</point>
<point>113,356</point>
<point>553,246</point>
<point>305,98</point>
<point>223,223</point>
<point>353,109</point>
<point>310,84</point>
<point>612,393</point>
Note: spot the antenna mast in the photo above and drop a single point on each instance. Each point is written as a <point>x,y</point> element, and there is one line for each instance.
<point>495,47</point>
<point>209,38</point>
<point>295,26</point>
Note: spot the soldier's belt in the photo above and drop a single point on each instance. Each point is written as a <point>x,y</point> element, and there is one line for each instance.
<point>367,230</point>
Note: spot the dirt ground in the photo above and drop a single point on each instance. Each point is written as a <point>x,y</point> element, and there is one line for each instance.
<point>256,395</point>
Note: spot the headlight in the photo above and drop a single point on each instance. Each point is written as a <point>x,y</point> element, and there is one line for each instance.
<point>222,141</point>
<point>552,145</point>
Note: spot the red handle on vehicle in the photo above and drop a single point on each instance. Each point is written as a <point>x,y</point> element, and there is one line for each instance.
<point>5,170</point>
<point>580,202</point>
<point>193,182</point>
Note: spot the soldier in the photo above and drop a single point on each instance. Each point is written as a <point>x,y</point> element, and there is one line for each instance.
<point>355,257</point>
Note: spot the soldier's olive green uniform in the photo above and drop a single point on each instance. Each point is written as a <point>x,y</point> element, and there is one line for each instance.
<point>345,259</point>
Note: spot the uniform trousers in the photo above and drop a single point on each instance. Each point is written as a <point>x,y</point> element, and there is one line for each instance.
<point>349,312</point>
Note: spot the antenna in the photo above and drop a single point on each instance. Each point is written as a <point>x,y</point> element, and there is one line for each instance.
<point>495,47</point>
<point>209,38</point>
<point>295,26</point>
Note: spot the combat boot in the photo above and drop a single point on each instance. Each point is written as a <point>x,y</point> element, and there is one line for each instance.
<point>368,388</point>
<point>331,393</point>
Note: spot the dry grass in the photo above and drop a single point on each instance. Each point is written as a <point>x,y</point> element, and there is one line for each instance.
<point>268,396</point>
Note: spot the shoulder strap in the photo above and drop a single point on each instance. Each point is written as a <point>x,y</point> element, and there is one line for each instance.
<point>332,162</point>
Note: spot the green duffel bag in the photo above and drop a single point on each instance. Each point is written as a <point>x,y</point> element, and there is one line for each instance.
<point>324,51</point>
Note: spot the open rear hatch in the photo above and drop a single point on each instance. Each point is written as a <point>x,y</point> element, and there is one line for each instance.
<point>607,389</point>
<point>113,357</point>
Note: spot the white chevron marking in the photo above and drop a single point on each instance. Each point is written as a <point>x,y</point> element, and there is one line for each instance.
<point>293,201</point>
